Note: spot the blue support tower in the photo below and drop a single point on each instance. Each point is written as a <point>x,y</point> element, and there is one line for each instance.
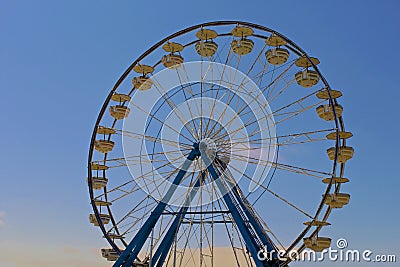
<point>132,250</point>
<point>249,211</point>
<point>242,212</point>
<point>166,243</point>
<point>249,239</point>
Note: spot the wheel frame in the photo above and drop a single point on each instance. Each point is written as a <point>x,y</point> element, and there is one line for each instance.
<point>337,169</point>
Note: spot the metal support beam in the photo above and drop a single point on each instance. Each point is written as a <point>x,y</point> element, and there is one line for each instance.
<point>166,243</point>
<point>131,252</point>
<point>250,214</point>
<point>243,228</point>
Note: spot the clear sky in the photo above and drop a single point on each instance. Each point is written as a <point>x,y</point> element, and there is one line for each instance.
<point>59,59</point>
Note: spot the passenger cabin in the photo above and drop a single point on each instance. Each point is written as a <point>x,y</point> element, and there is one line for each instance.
<point>337,200</point>
<point>324,94</point>
<point>342,135</point>
<point>117,97</point>
<point>325,112</point>
<point>172,61</point>
<point>206,34</point>
<point>344,153</point>
<point>119,112</point>
<point>98,167</point>
<point>335,180</point>
<point>206,48</point>
<point>110,254</point>
<point>99,182</point>
<point>114,236</point>
<point>242,46</point>
<point>307,78</point>
<point>277,56</point>
<point>105,219</point>
<point>304,62</point>
<point>102,203</point>
<point>275,40</point>
<point>318,244</point>
<point>142,83</point>
<point>143,69</point>
<point>103,146</point>
<point>172,47</point>
<point>105,130</point>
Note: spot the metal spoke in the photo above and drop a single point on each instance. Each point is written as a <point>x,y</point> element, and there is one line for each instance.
<point>273,193</point>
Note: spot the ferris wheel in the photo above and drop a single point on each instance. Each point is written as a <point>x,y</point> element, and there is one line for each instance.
<point>221,145</point>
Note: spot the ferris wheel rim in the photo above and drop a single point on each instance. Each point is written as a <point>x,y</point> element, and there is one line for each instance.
<point>338,120</point>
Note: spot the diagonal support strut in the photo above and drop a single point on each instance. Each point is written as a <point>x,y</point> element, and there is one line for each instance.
<point>254,246</point>
<point>163,249</point>
<point>131,252</point>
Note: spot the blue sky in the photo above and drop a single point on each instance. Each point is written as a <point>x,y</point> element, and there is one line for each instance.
<point>58,61</point>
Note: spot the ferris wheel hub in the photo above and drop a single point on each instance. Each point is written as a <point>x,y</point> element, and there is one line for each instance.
<point>209,147</point>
